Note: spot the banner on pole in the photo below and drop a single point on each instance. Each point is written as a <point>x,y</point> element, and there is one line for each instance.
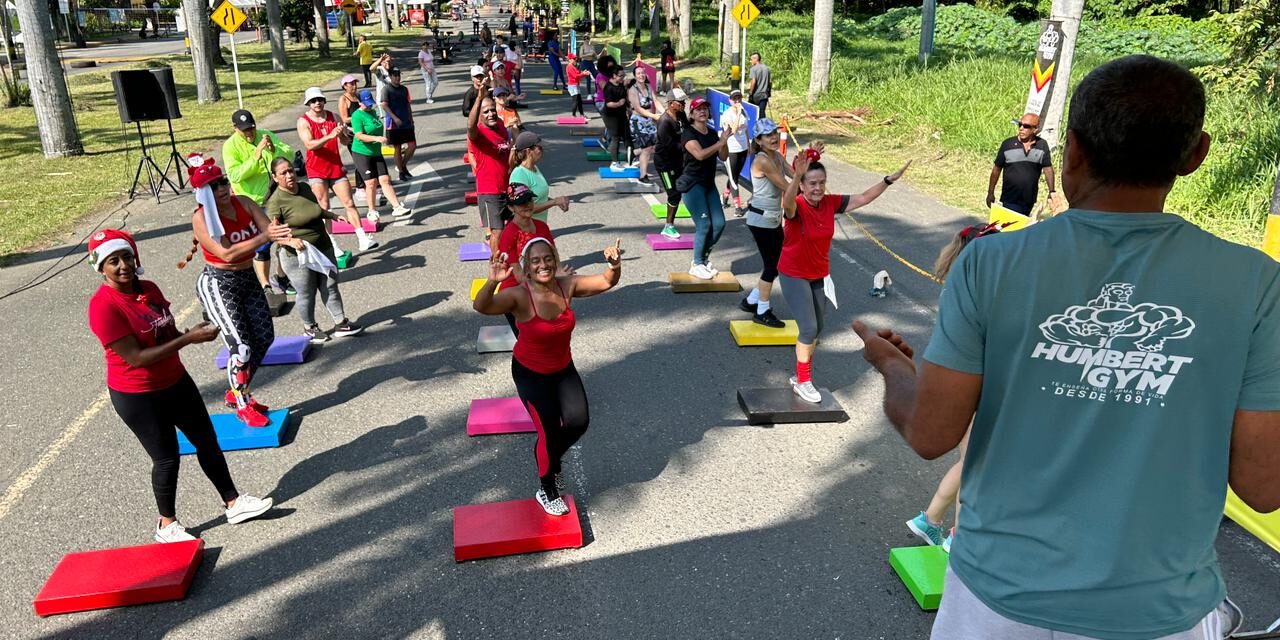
<point>719,102</point>
<point>1044,70</point>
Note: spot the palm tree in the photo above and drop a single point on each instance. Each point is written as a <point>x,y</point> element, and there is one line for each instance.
<point>203,45</point>
<point>820,74</point>
<point>54,119</point>
<point>275,30</point>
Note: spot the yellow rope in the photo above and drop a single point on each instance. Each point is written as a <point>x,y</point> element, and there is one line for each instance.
<point>890,251</point>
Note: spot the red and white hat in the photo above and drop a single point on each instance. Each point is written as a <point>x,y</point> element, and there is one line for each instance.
<point>202,170</point>
<point>110,241</point>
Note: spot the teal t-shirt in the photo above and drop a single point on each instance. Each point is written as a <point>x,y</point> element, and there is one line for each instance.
<point>1114,349</point>
<point>366,122</point>
<point>536,183</point>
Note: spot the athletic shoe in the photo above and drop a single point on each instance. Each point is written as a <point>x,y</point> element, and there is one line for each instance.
<point>347,328</point>
<point>768,319</point>
<point>927,531</point>
<point>252,417</point>
<point>700,272</point>
<point>247,508</point>
<point>315,334</point>
<point>382,200</point>
<point>367,243</point>
<point>644,180</point>
<point>281,283</point>
<point>230,400</point>
<point>669,231</point>
<point>359,196</point>
<point>404,176</point>
<point>712,269</point>
<point>724,199</point>
<point>806,391</point>
<point>555,507</point>
<point>401,212</point>
<point>373,216</point>
<point>946,542</point>
<point>634,164</point>
<point>617,166</point>
<point>430,101</point>
<point>747,306</point>
<point>175,532</point>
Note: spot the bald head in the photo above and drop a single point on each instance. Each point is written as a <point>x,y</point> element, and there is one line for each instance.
<point>1028,126</point>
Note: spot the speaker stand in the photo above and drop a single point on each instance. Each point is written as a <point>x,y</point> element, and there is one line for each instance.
<point>174,158</point>
<point>153,172</point>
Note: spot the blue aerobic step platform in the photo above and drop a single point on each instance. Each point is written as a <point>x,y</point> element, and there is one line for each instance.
<point>234,435</point>
<point>629,172</point>
<point>591,143</point>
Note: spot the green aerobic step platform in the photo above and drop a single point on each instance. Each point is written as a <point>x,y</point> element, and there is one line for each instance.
<point>922,570</point>
<point>660,211</point>
<point>598,156</point>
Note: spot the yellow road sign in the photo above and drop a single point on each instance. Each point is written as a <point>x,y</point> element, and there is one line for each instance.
<point>228,16</point>
<point>349,6</point>
<point>745,13</point>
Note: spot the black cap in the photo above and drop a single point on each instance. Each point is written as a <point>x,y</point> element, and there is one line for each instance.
<point>243,120</point>
<point>518,193</point>
<point>393,71</point>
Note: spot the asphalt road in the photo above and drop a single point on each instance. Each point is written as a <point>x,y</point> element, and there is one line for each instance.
<point>698,525</point>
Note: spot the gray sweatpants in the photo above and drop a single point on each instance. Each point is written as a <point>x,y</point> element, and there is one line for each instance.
<point>807,303</point>
<point>307,282</point>
<point>962,616</point>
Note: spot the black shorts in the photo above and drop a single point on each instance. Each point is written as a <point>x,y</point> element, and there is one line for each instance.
<point>668,180</point>
<point>401,136</point>
<point>369,167</point>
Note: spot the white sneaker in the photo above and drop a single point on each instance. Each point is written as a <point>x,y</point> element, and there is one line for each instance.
<point>700,272</point>
<point>430,101</point>
<point>373,216</point>
<point>617,166</point>
<point>712,269</point>
<point>555,507</point>
<point>806,391</point>
<point>247,508</point>
<point>401,212</point>
<point>359,196</point>
<point>367,242</point>
<point>175,532</point>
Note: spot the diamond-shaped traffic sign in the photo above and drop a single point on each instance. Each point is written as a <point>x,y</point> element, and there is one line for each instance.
<point>745,13</point>
<point>349,6</point>
<point>228,16</point>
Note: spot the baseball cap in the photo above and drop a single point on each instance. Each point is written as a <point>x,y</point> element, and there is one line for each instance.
<point>678,95</point>
<point>572,56</point>
<point>312,93</point>
<point>348,79</point>
<point>527,140</point>
<point>519,194</point>
<point>243,120</point>
<point>699,103</point>
<point>736,93</point>
<point>393,71</point>
<point>476,70</point>
<point>501,91</point>
<point>765,126</point>
<point>366,98</point>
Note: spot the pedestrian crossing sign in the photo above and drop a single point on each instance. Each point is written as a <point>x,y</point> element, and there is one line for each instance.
<point>228,16</point>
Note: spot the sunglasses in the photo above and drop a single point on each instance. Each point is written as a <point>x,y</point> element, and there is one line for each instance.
<point>320,100</point>
<point>1024,125</point>
<point>219,183</point>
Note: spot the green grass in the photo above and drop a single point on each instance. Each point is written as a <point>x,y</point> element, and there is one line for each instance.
<point>40,198</point>
<point>952,116</point>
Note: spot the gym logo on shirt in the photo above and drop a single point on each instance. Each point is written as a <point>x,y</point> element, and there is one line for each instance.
<point>1120,347</point>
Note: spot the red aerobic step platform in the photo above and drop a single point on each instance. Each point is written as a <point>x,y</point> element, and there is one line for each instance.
<point>471,197</point>
<point>571,120</point>
<point>120,577</point>
<point>497,416</point>
<point>511,528</point>
<point>342,226</point>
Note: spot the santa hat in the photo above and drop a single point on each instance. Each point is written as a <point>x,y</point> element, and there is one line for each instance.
<point>107,242</point>
<point>202,171</point>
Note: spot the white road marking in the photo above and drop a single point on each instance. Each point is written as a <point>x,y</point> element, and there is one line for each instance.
<point>13,495</point>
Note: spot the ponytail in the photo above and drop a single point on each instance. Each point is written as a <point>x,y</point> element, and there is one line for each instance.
<point>182,264</point>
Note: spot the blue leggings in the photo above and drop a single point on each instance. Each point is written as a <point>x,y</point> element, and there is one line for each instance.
<point>704,207</point>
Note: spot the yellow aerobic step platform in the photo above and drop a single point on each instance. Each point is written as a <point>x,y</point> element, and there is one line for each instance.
<point>475,287</point>
<point>1266,527</point>
<point>749,334</point>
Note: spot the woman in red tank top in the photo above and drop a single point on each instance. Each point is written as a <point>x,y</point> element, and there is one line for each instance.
<point>229,230</point>
<point>541,363</point>
<point>320,132</point>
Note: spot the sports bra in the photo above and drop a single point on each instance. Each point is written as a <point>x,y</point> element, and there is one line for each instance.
<point>238,230</point>
<point>543,345</point>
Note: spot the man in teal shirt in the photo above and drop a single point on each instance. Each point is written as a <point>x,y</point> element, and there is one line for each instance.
<point>247,155</point>
<point>1119,366</point>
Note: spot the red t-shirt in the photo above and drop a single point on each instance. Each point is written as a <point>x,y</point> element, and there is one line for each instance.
<point>491,154</point>
<point>512,242</point>
<point>114,315</point>
<point>806,238</point>
<point>325,161</point>
<point>574,74</point>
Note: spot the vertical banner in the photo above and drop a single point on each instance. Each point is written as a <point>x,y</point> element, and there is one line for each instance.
<point>719,102</point>
<point>1044,71</point>
<point>650,71</point>
<point>573,42</point>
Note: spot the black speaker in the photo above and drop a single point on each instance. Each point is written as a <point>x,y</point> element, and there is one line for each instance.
<point>138,96</point>
<point>164,76</point>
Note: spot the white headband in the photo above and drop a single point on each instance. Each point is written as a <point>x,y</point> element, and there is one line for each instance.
<point>524,254</point>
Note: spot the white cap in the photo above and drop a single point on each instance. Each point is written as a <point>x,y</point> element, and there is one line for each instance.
<point>678,95</point>
<point>311,94</point>
<point>476,70</point>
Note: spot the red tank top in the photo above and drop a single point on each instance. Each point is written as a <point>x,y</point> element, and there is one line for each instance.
<point>238,230</point>
<point>543,345</point>
<point>324,162</point>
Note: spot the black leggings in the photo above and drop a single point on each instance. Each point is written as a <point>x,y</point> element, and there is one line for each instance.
<point>736,162</point>
<point>557,402</point>
<point>619,128</point>
<point>152,416</point>
<point>769,242</point>
<point>577,106</point>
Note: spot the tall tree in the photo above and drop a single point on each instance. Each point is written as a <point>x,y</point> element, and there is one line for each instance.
<point>655,32</point>
<point>322,27</point>
<point>686,27</point>
<point>275,29</point>
<point>624,9</point>
<point>54,119</point>
<point>6,31</point>
<point>671,9</point>
<point>384,18</point>
<point>203,44</point>
<point>73,24</point>
<point>820,68</point>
